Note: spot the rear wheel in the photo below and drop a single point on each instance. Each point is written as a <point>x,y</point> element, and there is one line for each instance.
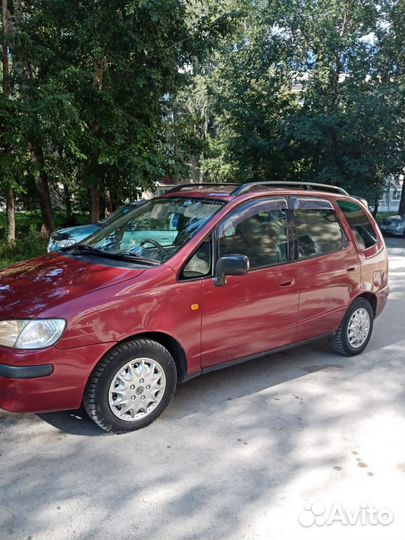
<point>131,386</point>
<point>355,329</point>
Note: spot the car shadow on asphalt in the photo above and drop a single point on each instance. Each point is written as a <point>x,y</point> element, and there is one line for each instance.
<point>218,387</point>
<point>73,422</point>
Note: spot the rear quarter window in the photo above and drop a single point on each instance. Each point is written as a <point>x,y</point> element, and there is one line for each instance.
<point>360,224</point>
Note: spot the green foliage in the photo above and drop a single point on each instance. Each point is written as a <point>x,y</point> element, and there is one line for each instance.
<point>28,247</point>
<point>305,90</point>
<point>32,220</point>
<point>121,94</point>
<point>90,84</point>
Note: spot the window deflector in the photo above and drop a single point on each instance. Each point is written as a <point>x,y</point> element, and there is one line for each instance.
<point>249,210</point>
<point>310,203</point>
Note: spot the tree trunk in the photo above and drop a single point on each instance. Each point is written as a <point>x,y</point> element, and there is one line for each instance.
<point>375,209</point>
<point>10,216</point>
<point>68,202</point>
<point>42,185</point>
<point>402,201</point>
<point>109,202</point>
<point>95,128</point>
<point>6,30</point>
<point>6,94</point>
<point>94,203</point>
<point>37,157</point>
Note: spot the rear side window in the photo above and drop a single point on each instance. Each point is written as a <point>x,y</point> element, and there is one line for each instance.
<point>317,228</point>
<point>359,223</point>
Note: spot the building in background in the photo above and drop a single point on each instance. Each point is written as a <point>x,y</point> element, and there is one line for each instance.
<point>391,196</point>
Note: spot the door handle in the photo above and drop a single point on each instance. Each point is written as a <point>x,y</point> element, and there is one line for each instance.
<point>289,283</point>
<point>350,268</point>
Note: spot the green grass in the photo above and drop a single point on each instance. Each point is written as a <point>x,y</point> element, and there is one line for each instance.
<point>382,215</point>
<point>29,243</point>
<point>25,248</point>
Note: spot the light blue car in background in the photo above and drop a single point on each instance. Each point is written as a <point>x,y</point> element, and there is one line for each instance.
<point>72,235</point>
<point>394,225</point>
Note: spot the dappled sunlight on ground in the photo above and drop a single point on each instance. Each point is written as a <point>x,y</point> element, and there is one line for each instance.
<point>237,455</point>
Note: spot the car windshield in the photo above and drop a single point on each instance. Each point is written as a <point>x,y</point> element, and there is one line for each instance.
<point>154,231</point>
<point>122,211</point>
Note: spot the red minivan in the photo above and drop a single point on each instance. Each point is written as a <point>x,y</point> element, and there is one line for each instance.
<point>200,278</point>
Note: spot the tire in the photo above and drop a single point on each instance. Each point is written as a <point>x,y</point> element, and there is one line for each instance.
<point>119,386</point>
<point>344,342</point>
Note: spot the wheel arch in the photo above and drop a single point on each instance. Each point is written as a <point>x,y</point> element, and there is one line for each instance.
<point>371,298</point>
<point>170,343</point>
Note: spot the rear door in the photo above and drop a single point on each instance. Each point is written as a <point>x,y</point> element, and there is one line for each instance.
<point>328,270</point>
<point>256,312</point>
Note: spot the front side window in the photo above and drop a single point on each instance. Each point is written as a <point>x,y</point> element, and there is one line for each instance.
<point>156,230</point>
<point>318,231</point>
<point>359,223</point>
<point>260,232</point>
<point>199,264</point>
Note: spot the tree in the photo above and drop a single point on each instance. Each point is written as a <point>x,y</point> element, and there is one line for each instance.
<point>135,64</point>
<point>6,157</point>
<point>300,91</point>
<point>391,36</point>
<point>348,126</point>
<point>93,80</point>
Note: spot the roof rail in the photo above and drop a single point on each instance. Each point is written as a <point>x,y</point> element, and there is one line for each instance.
<point>184,187</point>
<point>243,188</point>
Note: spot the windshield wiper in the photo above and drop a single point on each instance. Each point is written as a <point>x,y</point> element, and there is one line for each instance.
<point>84,248</point>
<point>144,260</point>
<point>134,258</point>
<point>79,248</point>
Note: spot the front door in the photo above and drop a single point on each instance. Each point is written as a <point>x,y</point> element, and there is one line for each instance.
<point>257,312</point>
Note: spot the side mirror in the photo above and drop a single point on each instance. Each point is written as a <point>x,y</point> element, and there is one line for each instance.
<point>230,265</point>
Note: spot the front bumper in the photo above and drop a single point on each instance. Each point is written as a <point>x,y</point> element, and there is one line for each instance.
<point>25,372</point>
<point>46,380</point>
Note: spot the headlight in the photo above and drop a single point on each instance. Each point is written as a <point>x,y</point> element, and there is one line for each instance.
<point>55,244</point>
<point>66,243</point>
<point>33,334</point>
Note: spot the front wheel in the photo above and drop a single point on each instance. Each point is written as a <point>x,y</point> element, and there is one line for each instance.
<point>131,386</point>
<point>355,329</point>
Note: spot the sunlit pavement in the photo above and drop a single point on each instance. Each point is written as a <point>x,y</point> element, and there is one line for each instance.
<point>299,445</point>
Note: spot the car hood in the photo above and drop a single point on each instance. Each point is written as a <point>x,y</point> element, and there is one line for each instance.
<point>31,288</point>
<point>80,231</point>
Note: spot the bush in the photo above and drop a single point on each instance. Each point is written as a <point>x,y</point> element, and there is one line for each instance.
<point>27,247</point>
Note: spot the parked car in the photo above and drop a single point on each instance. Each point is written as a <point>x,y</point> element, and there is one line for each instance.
<point>393,225</point>
<point>195,280</point>
<point>72,235</point>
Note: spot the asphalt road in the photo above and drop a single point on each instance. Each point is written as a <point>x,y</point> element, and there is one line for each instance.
<point>241,454</point>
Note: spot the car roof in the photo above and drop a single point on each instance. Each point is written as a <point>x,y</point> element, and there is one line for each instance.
<point>231,191</point>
